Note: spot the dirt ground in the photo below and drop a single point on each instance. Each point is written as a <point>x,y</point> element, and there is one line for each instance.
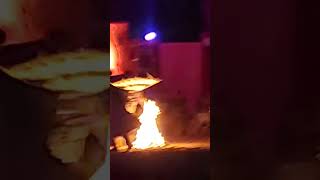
<point>161,165</point>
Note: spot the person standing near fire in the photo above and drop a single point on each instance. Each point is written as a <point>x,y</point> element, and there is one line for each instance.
<point>125,110</point>
<point>126,106</point>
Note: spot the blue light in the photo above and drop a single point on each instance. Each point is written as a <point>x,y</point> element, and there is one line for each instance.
<point>150,36</point>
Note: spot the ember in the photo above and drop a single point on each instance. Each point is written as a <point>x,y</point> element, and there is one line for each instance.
<point>148,135</point>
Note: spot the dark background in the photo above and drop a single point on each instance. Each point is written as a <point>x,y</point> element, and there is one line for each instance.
<point>178,20</point>
<point>265,93</point>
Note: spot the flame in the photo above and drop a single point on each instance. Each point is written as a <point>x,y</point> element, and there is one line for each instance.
<point>148,134</point>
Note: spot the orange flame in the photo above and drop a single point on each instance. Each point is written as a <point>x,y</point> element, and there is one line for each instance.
<point>148,134</point>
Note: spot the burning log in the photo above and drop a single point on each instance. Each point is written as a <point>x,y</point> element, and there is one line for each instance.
<point>121,144</point>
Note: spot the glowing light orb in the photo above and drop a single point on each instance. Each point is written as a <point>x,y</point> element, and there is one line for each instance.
<point>150,36</point>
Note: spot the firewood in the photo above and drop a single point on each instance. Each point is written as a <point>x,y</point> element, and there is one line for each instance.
<point>121,144</point>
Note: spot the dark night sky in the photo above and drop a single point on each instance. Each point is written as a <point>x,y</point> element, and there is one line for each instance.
<point>174,20</point>
<point>178,20</point>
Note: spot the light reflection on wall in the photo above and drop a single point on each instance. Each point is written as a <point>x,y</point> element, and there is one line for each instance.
<point>113,57</point>
<point>118,48</point>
